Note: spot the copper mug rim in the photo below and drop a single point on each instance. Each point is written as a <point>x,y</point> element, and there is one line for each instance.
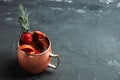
<point>47,50</point>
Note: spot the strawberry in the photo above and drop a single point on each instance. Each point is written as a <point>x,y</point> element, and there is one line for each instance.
<point>26,37</point>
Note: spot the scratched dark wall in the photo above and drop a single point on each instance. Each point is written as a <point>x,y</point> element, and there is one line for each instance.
<point>85,33</point>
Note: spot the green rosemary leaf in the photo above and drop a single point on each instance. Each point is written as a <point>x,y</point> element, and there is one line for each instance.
<point>23,19</point>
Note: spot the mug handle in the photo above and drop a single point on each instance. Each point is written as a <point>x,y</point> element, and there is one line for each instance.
<point>54,56</point>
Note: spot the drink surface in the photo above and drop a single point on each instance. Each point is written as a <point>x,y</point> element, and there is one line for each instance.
<point>40,43</point>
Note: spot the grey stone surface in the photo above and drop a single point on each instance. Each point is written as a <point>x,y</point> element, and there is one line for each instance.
<point>85,33</point>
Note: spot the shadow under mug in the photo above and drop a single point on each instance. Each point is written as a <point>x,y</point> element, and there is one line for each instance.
<point>37,63</point>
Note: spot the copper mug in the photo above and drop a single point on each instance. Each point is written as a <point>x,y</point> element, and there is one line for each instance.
<point>37,63</point>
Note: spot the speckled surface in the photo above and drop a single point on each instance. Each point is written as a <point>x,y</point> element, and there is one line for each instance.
<point>85,33</point>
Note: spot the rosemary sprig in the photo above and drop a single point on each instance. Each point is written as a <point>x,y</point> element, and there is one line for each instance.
<point>23,19</point>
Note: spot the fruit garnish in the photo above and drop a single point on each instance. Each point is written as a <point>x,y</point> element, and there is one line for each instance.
<point>39,35</point>
<point>40,39</point>
<point>28,49</point>
<point>36,39</point>
<point>26,36</point>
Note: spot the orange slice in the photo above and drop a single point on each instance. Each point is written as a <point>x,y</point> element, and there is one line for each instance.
<point>39,35</point>
<point>28,49</point>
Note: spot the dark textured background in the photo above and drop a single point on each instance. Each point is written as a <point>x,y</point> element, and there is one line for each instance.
<point>85,33</point>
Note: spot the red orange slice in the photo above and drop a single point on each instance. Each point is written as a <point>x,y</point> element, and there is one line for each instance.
<point>40,37</point>
<point>28,49</point>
